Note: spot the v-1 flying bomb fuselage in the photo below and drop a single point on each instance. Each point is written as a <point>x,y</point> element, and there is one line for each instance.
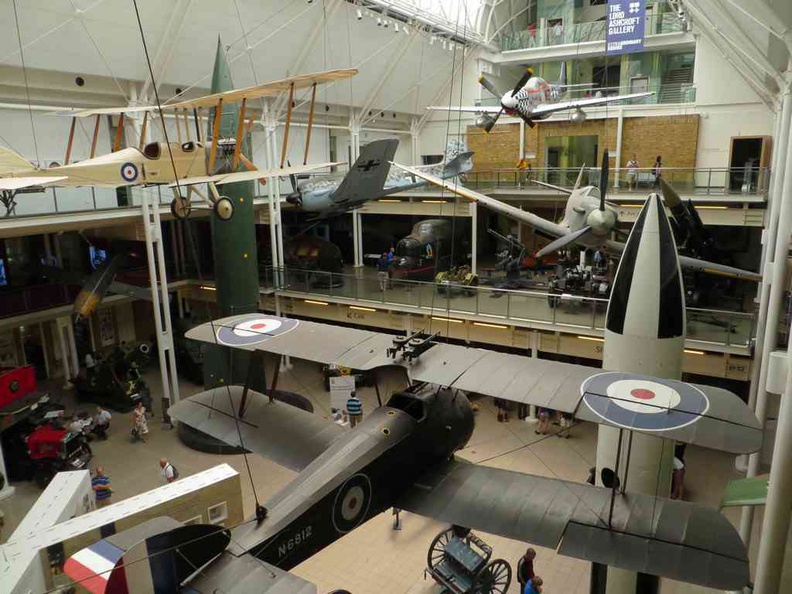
<point>360,475</point>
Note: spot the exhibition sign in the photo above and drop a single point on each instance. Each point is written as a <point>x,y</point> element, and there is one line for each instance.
<point>626,23</point>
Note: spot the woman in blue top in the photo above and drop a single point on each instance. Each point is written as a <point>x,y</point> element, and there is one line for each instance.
<point>534,586</point>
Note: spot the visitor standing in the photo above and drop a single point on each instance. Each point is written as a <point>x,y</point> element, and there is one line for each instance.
<point>140,423</point>
<point>525,568</point>
<point>354,408</point>
<point>100,484</point>
<point>383,266</point>
<point>657,170</point>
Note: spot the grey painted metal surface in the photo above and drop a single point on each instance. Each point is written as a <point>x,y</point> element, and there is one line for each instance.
<point>248,575</point>
<point>278,431</point>
<point>670,538</point>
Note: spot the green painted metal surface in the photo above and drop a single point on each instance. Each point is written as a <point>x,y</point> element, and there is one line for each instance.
<point>749,491</point>
<point>233,241</point>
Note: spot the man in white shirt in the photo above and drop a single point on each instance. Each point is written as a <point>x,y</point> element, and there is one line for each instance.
<point>632,173</point>
<point>101,422</point>
<point>167,472</point>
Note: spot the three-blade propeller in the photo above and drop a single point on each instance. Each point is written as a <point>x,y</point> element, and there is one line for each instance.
<point>511,97</point>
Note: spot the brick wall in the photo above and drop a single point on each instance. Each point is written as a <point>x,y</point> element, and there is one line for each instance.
<point>673,137</point>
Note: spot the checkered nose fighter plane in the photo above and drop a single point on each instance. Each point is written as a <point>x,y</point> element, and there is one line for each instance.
<point>191,163</point>
<point>532,99</point>
<point>402,454</point>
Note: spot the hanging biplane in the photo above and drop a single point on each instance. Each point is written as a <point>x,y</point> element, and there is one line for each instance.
<point>402,454</point>
<point>188,163</point>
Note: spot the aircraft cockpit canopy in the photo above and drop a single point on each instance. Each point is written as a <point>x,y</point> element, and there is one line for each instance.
<point>409,403</point>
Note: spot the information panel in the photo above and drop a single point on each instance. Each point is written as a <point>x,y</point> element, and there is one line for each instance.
<point>625,26</point>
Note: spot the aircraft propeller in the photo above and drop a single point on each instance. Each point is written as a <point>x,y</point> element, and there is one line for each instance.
<point>599,221</point>
<point>490,121</point>
<point>295,198</point>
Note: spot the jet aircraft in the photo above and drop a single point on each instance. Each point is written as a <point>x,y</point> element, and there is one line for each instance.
<point>189,164</point>
<point>369,178</point>
<point>588,220</point>
<point>532,99</point>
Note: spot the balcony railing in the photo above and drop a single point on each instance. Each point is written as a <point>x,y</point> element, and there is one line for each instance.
<point>14,302</point>
<point>548,35</point>
<point>714,327</point>
<point>739,181</point>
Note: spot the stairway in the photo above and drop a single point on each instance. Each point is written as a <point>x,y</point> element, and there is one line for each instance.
<point>674,85</point>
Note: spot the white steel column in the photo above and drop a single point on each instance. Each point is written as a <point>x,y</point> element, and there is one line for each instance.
<point>357,225</point>
<point>474,233</point>
<point>91,338</point>
<point>619,131</point>
<point>522,143</point>
<point>275,182</point>
<point>158,280</point>
<point>68,327</point>
<point>772,292</point>
<point>44,350</point>
<point>63,353</point>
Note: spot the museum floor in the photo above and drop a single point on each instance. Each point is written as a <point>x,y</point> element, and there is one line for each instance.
<point>375,558</point>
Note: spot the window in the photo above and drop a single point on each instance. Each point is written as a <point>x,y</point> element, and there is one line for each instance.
<point>217,513</point>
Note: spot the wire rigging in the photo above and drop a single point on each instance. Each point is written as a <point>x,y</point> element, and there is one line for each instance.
<point>27,86</point>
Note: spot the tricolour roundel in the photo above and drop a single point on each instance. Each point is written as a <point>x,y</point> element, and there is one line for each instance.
<point>254,329</point>
<point>129,172</point>
<point>352,503</point>
<point>634,402</point>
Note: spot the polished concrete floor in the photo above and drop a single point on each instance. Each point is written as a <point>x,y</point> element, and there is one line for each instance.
<point>375,558</point>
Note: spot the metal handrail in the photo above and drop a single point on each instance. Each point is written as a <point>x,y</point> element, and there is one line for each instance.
<point>717,327</point>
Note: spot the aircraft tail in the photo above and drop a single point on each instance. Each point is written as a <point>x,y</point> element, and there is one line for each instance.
<point>11,162</point>
<point>368,175</point>
<point>462,163</point>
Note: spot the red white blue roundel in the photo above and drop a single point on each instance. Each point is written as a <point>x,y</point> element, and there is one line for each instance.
<point>129,172</point>
<point>254,329</point>
<point>636,402</point>
<point>352,503</point>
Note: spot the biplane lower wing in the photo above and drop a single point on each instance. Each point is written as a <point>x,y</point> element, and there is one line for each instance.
<point>239,176</point>
<point>12,184</point>
<point>672,539</point>
<point>279,432</point>
<point>703,415</point>
<point>248,575</point>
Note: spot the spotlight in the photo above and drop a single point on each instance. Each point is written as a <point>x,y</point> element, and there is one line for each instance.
<point>432,40</point>
<point>395,27</point>
<point>379,22</point>
<point>406,31</point>
<point>385,24</point>
<point>359,14</point>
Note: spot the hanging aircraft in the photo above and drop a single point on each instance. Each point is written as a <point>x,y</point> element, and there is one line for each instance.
<point>532,99</point>
<point>369,178</point>
<point>189,164</point>
<point>588,220</point>
<point>402,454</point>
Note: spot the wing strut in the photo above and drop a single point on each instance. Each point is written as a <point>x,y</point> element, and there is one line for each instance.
<point>615,485</point>
<point>119,133</point>
<point>71,141</point>
<point>239,134</point>
<point>142,142</point>
<point>215,136</point>
<point>288,125</point>
<point>185,113</point>
<point>275,375</point>
<point>310,124</point>
<point>95,137</point>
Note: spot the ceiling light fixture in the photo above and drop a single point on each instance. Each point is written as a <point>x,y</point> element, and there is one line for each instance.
<point>692,352</point>
<point>433,201</point>
<point>486,325</point>
<point>208,288</point>
<point>453,321</point>
<point>591,338</point>
<point>388,200</point>
<point>359,14</point>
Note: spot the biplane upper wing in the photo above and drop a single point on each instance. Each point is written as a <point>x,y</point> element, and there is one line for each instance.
<point>238,176</point>
<point>707,416</point>
<point>528,218</point>
<point>19,183</point>
<point>279,432</point>
<point>269,89</point>
<point>673,539</point>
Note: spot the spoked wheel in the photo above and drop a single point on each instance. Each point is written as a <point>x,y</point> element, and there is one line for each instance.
<point>494,578</point>
<point>437,548</point>
<point>180,208</point>
<point>224,208</point>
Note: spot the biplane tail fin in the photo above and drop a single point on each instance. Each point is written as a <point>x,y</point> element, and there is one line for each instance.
<point>11,162</point>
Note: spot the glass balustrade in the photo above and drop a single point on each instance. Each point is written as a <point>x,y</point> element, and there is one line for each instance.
<point>708,326</point>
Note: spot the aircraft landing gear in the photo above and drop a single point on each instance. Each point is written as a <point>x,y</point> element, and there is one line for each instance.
<point>180,208</point>
<point>224,208</point>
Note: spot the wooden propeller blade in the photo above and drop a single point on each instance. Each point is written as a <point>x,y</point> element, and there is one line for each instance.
<point>95,137</point>
<point>239,134</point>
<point>142,141</point>
<point>71,141</point>
<point>215,136</point>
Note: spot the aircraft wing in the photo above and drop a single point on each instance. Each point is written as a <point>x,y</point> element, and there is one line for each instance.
<point>238,176</point>
<point>466,109</point>
<point>18,183</point>
<point>505,209</point>
<point>699,265</point>
<point>130,290</point>
<point>578,103</point>
<point>703,415</point>
<point>673,539</point>
<point>248,575</point>
<point>277,431</point>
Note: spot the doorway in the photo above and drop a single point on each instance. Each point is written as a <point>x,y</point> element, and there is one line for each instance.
<point>747,158</point>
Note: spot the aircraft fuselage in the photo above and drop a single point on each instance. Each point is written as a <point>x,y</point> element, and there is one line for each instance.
<point>580,204</point>
<point>359,476</point>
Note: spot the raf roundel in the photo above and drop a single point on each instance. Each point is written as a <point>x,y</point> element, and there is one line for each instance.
<point>252,330</point>
<point>644,404</point>
<point>129,172</point>
<point>352,503</point>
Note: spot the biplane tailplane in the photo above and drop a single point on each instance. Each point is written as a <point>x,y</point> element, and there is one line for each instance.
<point>11,161</point>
